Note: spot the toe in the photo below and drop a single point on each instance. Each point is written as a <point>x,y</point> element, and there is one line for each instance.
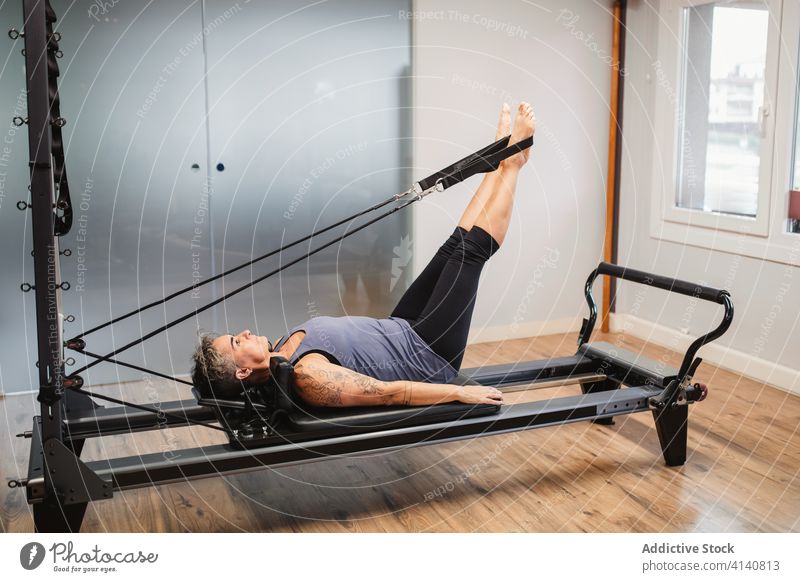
<point>504,124</point>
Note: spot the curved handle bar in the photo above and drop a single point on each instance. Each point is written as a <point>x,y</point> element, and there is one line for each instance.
<point>666,283</point>
<point>720,296</point>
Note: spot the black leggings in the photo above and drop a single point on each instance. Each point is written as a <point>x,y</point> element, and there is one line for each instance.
<point>440,301</point>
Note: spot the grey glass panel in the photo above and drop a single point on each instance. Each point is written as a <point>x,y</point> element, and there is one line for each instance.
<point>131,91</point>
<point>17,318</point>
<point>331,136</point>
<point>309,117</point>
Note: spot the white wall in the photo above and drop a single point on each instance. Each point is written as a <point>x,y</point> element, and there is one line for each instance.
<point>552,54</point>
<point>763,341</point>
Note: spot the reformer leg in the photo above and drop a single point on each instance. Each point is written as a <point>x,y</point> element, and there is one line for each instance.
<point>76,445</point>
<point>601,386</point>
<point>63,485</point>
<point>671,425</point>
<point>76,404</point>
<point>50,516</point>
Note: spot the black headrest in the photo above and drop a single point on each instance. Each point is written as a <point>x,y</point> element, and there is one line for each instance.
<point>277,393</point>
<point>280,383</point>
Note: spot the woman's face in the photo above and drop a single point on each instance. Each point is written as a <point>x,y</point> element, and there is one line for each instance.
<point>249,352</point>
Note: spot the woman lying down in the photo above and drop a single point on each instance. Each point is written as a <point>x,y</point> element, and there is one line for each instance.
<point>407,358</point>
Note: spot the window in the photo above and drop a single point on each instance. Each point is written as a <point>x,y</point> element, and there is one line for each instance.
<point>722,106</point>
<point>796,148</point>
<point>725,135</point>
<point>720,123</point>
<point>794,194</point>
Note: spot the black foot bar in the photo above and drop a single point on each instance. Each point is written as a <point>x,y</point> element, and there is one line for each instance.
<point>676,286</point>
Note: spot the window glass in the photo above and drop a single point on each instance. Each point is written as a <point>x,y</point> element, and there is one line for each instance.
<point>796,165</point>
<point>724,60</point>
<point>794,196</point>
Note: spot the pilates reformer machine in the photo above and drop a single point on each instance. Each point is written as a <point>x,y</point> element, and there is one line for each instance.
<point>268,425</point>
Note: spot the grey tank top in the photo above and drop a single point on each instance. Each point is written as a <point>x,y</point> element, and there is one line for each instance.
<point>386,349</point>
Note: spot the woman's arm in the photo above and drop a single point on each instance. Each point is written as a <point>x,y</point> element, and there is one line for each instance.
<point>321,383</point>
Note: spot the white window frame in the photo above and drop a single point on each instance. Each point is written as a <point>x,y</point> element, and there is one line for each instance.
<point>764,236</point>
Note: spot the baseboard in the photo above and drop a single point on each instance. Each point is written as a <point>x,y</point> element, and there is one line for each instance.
<point>524,330</point>
<point>735,361</point>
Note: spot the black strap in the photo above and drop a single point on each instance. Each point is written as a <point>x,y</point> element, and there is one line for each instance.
<point>484,160</point>
<point>63,215</point>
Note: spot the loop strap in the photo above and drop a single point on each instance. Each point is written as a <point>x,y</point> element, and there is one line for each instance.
<point>484,160</point>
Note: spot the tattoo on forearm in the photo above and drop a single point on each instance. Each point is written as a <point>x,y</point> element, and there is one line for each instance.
<point>369,386</point>
<point>323,386</point>
<point>321,392</point>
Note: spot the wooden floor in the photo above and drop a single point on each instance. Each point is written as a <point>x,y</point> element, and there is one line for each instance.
<point>741,474</point>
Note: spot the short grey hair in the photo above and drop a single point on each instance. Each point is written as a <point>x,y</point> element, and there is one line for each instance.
<point>213,373</point>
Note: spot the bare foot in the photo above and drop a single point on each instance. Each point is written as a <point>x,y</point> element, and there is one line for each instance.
<point>504,125</point>
<point>524,127</point>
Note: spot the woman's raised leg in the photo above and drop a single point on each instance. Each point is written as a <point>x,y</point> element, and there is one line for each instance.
<point>495,215</point>
<point>444,323</point>
<point>489,183</point>
<point>415,298</point>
